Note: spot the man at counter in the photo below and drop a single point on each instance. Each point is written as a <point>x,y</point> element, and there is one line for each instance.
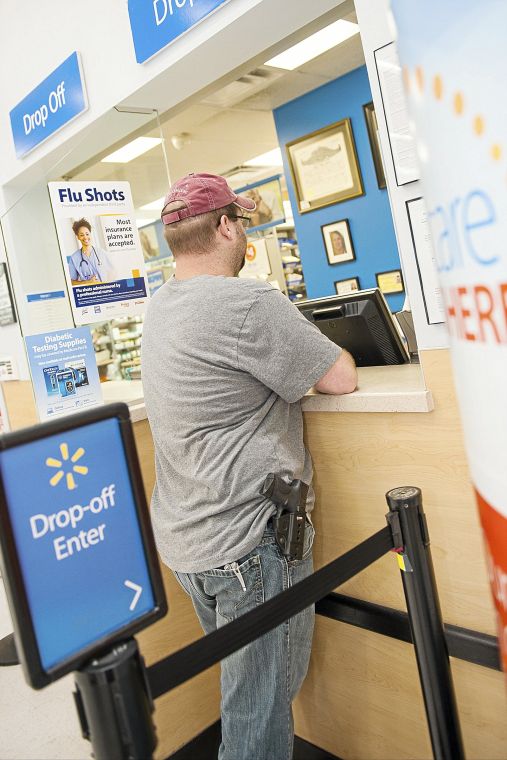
<point>225,362</point>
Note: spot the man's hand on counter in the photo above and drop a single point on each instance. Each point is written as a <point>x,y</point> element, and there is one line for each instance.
<point>341,378</point>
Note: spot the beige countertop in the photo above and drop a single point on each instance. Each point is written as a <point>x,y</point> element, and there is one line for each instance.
<point>380,389</point>
<point>399,388</point>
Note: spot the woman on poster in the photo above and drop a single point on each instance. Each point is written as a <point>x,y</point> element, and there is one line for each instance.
<point>88,264</point>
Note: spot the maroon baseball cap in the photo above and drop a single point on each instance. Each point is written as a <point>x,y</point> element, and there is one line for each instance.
<point>202,193</point>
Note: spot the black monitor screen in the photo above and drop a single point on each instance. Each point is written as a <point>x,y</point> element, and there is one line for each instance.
<point>360,322</point>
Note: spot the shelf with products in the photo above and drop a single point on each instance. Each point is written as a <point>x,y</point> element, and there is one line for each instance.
<point>103,345</point>
<point>117,344</point>
<point>127,334</point>
<point>291,262</point>
<point>293,272</point>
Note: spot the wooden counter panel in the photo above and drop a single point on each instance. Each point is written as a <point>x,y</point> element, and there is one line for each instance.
<point>192,707</point>
<point>357,458</point>
<point>186,711</point>
<point>362,700</point>
<point>20,403</point>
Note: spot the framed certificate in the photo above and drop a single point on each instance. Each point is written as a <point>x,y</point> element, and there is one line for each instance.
<point>390,282</point>
<point>324,167</point>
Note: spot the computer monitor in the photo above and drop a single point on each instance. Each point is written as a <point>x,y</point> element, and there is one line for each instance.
<point>360,322</point>
<point>78,555</point>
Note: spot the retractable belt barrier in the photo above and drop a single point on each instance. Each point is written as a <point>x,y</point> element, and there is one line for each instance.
<point>188,662</point>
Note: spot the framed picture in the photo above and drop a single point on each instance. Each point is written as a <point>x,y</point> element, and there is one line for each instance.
<point>324,167</point>
<point>346,286</point>
<point>7,313</point>
<point>390,282</point>
<point>338,242</point>
<point>267,194</point>
<point>372,127</point>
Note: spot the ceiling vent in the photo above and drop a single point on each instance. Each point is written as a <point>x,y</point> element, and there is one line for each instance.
<point>243,88</point>
<point>241,175</point>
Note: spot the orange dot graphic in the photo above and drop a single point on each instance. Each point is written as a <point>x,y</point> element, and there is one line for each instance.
<point>496,152</point>
<point>419,78</point>
<point>438,87</point>
<point>458,103</point>
<point>478,125</point>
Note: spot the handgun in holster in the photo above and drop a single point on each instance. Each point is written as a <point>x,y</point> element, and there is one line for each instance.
<point>290,520</point>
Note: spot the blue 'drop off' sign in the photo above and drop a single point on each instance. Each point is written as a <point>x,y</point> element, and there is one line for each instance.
<point>58,99</point>
<point>156,23</point>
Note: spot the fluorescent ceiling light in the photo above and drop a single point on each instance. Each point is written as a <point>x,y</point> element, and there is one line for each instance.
<point>271,158</point>
<point>154,205</point>
<point>315,45</point>
<point>132,150</point>
<point>143,222</point>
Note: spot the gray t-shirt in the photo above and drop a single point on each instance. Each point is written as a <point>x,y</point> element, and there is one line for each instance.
<point>225,362</point>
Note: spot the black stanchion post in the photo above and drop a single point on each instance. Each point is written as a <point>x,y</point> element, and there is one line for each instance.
<point>410,532</point>
<point>114,705</point>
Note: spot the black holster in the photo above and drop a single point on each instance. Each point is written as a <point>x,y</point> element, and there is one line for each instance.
<point>290,520</point>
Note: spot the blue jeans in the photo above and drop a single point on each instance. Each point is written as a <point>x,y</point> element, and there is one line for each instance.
<point>259,681</point>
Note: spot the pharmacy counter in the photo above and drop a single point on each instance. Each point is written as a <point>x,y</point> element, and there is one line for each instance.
<point>380,389</point>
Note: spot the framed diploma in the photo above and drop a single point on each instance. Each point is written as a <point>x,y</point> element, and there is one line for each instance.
<point>324,167</point>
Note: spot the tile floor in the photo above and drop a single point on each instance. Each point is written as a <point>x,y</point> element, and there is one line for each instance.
<point>36,725</point>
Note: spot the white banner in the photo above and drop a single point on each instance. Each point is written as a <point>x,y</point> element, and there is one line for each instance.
<point>454,61</point>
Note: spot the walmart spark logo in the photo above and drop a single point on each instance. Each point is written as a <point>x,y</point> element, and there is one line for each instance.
<point>67,467</point>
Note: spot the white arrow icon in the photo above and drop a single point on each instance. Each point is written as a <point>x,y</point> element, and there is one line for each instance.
<point>137,589</point>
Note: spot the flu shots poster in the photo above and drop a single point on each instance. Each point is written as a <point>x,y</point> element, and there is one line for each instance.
<point>100,248</point>
<point>64,372</point>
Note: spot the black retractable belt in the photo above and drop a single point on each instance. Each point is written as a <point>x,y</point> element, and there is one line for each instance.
<point>188,662</point>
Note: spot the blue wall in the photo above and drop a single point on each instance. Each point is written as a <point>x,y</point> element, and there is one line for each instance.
<point>370,220</point>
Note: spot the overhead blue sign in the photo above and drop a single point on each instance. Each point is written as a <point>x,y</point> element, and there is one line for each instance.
<point>156,23</point>
<point>78,538</point>
<point>46,109</point>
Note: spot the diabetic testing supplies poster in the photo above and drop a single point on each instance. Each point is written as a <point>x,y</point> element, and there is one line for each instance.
<point>100,248</point>
<point>64,372</point>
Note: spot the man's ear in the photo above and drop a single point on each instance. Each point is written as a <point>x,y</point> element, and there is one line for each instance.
<point>225,227</point>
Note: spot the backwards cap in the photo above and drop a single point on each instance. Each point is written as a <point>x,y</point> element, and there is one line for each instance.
<point>201,193</point>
